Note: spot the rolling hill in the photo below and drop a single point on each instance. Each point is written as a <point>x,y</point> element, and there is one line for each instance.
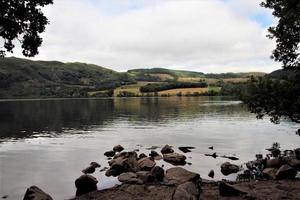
<point>26,78</point>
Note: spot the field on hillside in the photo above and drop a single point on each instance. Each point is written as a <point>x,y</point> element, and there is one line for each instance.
<point>133,88</point>
<point>213,80</point>
<point>186,91</point>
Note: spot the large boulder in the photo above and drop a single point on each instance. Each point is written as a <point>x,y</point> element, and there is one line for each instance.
<point>158,173</point>
<point>118,148</point>
<point>286,172</point>
<point>227,190</point>
<point>274,163</point>
<point>269,173</point>
<point>228,168</point>
<point>294,162</point>
<point>167,149</point>
<point>187,191</point>
<point>95,164</point>
<point>35,193</point>
<point>145,164</point>
<point>178,175</point>
<point>175,158</point>
<point>85,184</point>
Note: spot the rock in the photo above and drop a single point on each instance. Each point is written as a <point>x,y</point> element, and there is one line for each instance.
<point>274,163</point>
<point>104,169</point>
<point>259,156</point>
<point>152,148</point>
<point>89,170</point>
<point>294,162</point>
<point>214,155</point>
<point>167,149</point>
<point>4,197</point>
<point>125,154</point>
<point>211,173</point>
<point>158,173</point>
<point>109,153</point>
<point>180,175</point>
<point>186,149</point>
<point>142,155</point>
<point>286,172</point>
<point>35,193</point>
<point>297,153</point>
<point>124,164</point>
<point>129,177</point>
<point>175,158</point>
<point>230,157</point>
<point>153,154</point>
<point>145,177</point>
<point>118,148</point>
<point>260,163</point>
<point>187,191</point>
<point>275,152</point>
<point>269,173</point>
<point>112,172</point>
<point>211,147</point>
<point>95,164</point>
<point>228,168</point>
<point>227,190</point>
<point>85,184</point>
<point>146,164</point>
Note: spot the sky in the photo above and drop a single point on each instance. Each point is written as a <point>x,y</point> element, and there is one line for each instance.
<point>211,36</point>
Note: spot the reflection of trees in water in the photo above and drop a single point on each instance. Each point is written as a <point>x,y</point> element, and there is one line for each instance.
<point>57,115</point>
<point>140,110</point>
<point>47,116</point>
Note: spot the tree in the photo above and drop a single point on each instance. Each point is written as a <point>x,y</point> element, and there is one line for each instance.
<point>287,31</point>
<point>22,20</point>
<point>280,97</point>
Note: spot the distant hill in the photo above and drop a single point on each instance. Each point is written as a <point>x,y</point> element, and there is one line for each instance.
<point>27,78</point>
<point>286,74</point>
<point>162,74</point>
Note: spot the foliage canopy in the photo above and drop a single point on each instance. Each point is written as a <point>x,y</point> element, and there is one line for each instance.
<point>22,20</point>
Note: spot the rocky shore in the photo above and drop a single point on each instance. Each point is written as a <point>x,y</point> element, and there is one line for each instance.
<point>273,176</point>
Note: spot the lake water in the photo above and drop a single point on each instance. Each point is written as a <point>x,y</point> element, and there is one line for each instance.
<point>48,142</point>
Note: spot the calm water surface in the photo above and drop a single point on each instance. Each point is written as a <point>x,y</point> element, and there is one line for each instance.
<point>48,142</point>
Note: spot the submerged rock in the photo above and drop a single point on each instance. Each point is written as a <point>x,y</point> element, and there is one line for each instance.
<point>228,168</point>
<point>89,170</point>
<point>214,155</point>
<point>118,148</point>
<point>230,157</point>
<point>167,149</point>
<point>186,149</point>
<point>35,193</point>
<point>175,158</point>
<point>211,173</point>
<point>95,164</point>
<point>110,153</point>
<point>85,184</point>
<point>211,147</point>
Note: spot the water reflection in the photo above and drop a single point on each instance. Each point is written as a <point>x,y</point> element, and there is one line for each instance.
<point>21,119</point>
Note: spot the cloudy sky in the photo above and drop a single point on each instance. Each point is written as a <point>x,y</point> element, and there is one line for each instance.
<point>199,35</point>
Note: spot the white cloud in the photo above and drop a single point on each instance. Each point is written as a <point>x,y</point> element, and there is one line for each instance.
<point>201,35</point>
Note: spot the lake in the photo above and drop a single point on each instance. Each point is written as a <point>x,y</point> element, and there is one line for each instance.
<point>48,142</point>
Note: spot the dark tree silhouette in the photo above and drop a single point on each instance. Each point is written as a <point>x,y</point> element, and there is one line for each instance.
<point>286,32</point>
<point>280,96</point>
<point>22,20</point>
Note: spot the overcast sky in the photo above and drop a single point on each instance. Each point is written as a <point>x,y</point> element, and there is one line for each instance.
<point>200,35</point>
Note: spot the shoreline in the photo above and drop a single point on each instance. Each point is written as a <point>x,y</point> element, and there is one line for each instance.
<point>276,176</point>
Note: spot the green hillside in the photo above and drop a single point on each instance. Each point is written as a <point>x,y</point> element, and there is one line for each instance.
<point>27,78</point>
